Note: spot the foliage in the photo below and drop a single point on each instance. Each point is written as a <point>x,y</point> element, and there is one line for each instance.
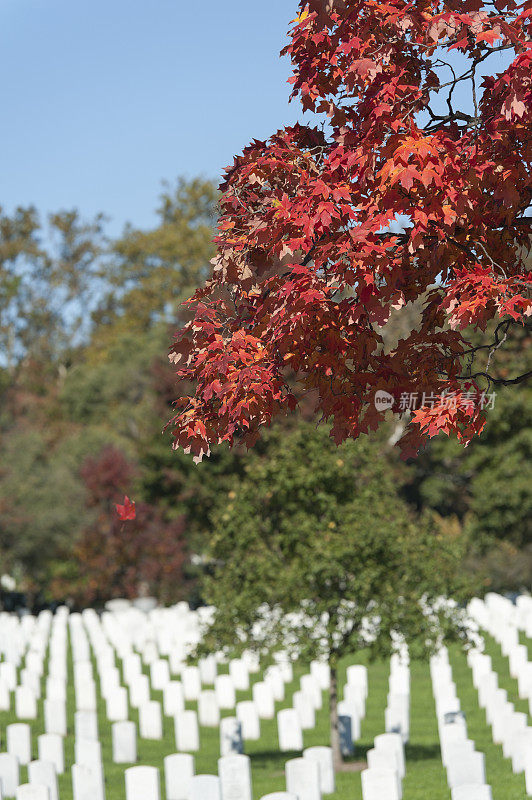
<point>310,262</point>
<point>315,553</point>
<point>116,559</point>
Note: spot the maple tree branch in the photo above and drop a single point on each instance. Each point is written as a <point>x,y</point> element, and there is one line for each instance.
<point>498,381</point>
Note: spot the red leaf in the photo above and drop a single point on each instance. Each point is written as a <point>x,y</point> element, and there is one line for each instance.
<point>127,510</point>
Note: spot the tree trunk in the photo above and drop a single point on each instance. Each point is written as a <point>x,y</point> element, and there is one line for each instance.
<point>333,720</point>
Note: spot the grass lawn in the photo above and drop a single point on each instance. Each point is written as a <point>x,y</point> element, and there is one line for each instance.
<point>425,779</point>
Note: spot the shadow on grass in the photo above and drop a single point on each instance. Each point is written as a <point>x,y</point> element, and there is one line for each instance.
<point>422,752</point>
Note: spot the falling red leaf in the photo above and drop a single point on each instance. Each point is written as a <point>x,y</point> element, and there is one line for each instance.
<point>127,510</point>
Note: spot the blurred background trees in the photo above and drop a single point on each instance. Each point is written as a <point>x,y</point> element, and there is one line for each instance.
<point>85,392</point>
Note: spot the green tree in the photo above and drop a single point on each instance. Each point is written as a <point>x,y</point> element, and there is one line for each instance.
<point>315,552</point>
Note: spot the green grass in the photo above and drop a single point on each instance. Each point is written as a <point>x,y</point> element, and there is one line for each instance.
<point>425,779</point>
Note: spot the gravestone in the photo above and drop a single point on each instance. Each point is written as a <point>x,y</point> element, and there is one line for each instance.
<point>305,709</point>
<point>139,691</point>
<point>239,674</point>
<point>43,772</point>
<point>208,670</point>
<point>324,758</point>
<point>274,677</point>
<point>116,705</point>
<point>345,733</point>
<point>86,725</point>
<point>5,697</point>
<point>187,731</point>
<point>173,700</point>
<point>208,711</point>
<point>32,791</point>
<point>205,787</point>
<point>25,703</point>
<point>248,716</point>
<point>289,730</point>
<point>230,736</point>
<point>18,736</point>
<point>88,752</point>
<point>142,783</point>
<point>472,791</point>
<point>262,694</point>
<point>50,748</point>
<point>279,796</point>
<point>55,719</point>
<point>150,720</point>
<point>124,736</point>
<point>357,674</point>
<point>178,773</point>
<point>310,686</point>
<point>378,784</point>
<point>87,782</point>
<point>9,774</point>
<point>235,777</point>
<point>160,674</point>
<point>225,691</point>
<point>191,680</point>
<point>303,778</point>
<point>467,768</point>
<point>86,696</point>
<point>393,743</point>
<point>347,709</point>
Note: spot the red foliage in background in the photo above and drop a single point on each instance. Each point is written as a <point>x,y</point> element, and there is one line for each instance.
<point>308,270</point>
<point>122,560</point>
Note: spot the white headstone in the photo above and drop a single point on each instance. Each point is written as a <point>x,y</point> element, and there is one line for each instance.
<point>289,730</point>
<point>468,768</point>
<point>32,791</point>
<point>324,758</point>
<point>159,674</point>
<point>225,691</point>
<point>139,690</point>
<point>124,736</point>
<point>88,752</point>
<point>150,720</point>
<point>142,783</point>
<point>311,687</point>
<point>393,743</point>
<point>18,736</point>
<point>187,731</point>
<point>379,783</point>
<point>173,700</point>
<point>178,773</point>
<point>239,674</point>
<point>205,787</point>
<point>43,772</point>
<point>25,703</point>
<point>275,678</point>
<point>208,711</point>
<point>235,777</point>
<point>279,796</point>
<point>303,778</point>
<point>9,774</point>
<point>50,748</point>
<point>230,736</point>
<point>191,681</point>
<point>208,670</point>
<point>87,782</point>
<point>248,716</point>
<point>55,719</point>
<point>472,791</point>
<point>262,694</point>
<point>117,707</point>
<point>305,709</point>
<point>86,725</point>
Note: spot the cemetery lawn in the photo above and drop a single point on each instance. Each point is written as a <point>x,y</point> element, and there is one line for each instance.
<point>425,777</point>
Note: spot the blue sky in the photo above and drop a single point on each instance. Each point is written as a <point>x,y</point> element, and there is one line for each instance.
<point>103,100</point>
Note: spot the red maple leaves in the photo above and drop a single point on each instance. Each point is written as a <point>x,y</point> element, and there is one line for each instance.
<point>127,510</point>
<point>309,264</point>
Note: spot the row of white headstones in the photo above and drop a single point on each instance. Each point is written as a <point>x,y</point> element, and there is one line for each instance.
<point>24,648</point>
